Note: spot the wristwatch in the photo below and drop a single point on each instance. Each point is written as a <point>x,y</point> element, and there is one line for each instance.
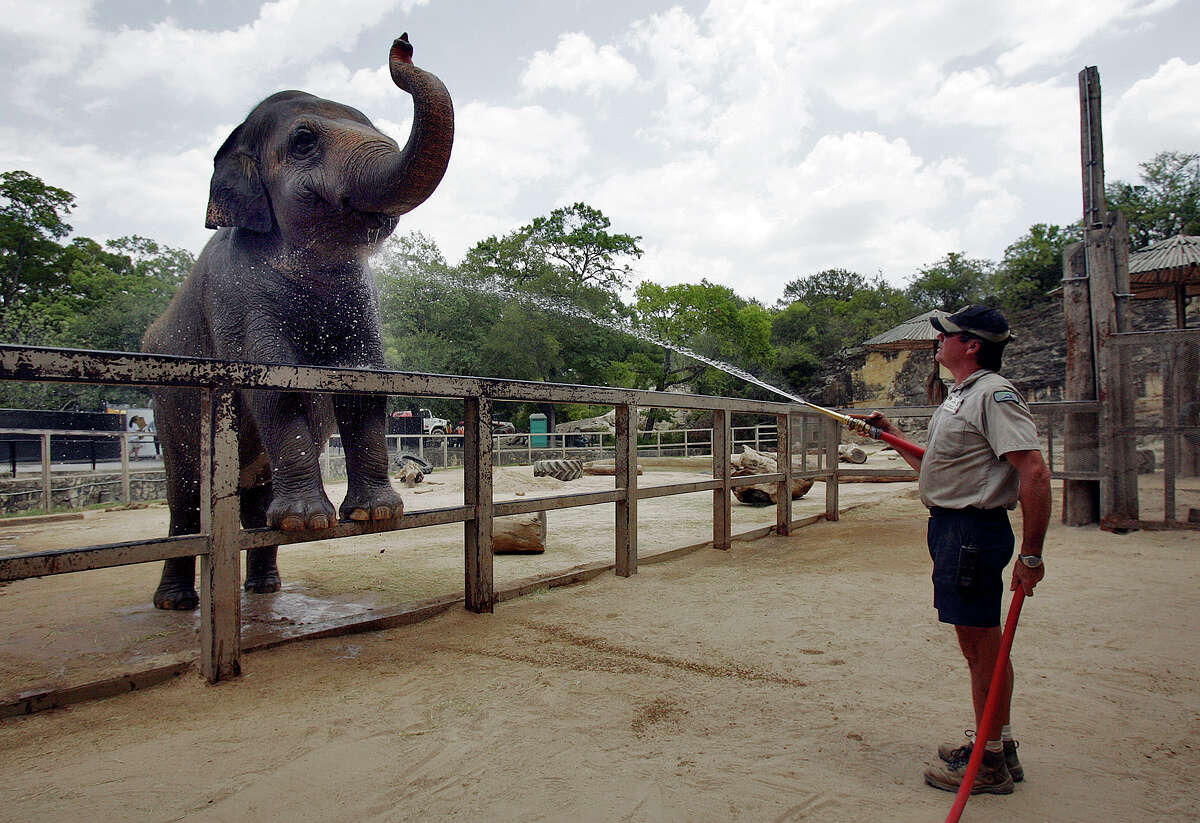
<point>1030,560</point>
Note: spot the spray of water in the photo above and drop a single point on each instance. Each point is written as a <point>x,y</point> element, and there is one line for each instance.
<point>493,286</point>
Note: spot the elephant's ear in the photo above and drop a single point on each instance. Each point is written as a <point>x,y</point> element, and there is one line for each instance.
<point>236,196</point>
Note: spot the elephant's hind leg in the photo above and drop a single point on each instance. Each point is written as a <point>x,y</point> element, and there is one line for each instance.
<point>262,571</point>
<point>177,586</point>
<point>178,417</point>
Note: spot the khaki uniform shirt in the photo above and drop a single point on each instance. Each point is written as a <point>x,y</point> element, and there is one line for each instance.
<point>981,420</point>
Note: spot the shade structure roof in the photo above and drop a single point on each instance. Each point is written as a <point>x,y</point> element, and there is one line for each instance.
<point>1159,270</point>
<point>914,333</point>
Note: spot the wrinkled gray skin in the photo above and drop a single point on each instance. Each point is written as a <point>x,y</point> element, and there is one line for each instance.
<point>301,193</point>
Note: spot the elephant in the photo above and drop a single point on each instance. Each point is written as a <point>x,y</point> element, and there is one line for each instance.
<point>301,193</point>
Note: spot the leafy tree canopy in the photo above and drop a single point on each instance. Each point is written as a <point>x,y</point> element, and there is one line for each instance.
<point>32,219</point>
<point>1032,265</point>
<point>951,283</point>
<point>1165,203</point>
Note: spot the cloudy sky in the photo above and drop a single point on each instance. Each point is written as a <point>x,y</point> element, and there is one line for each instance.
<point>747,141</point>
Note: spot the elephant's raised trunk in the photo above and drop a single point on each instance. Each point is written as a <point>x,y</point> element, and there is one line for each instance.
<point>402,183</point>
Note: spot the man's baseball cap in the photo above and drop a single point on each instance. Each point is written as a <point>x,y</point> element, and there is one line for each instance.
<point>982,321</point>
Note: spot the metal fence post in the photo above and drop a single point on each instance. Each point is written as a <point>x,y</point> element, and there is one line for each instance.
<point>626,458</point>
<point>721,436</point>
<point>220,519</point>
<point>47,499</point>
<point>783,453</point>
<point>124,440</point>
<point>477,492</point>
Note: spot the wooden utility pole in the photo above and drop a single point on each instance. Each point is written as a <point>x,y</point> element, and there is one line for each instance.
<point>1095,296</point>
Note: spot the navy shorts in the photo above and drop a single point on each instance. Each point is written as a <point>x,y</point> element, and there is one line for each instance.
<point>969,548</point>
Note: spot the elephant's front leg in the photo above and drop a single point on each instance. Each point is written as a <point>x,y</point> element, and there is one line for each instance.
<point>362,422</point>
<point>298,502</point>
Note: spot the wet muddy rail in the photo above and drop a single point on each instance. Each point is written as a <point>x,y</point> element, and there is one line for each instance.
<point>222,538</point>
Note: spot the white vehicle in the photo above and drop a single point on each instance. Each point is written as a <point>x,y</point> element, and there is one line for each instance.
<point>431,424</point>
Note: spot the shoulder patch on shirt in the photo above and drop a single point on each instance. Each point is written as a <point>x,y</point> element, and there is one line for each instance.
<point>1007,396</point>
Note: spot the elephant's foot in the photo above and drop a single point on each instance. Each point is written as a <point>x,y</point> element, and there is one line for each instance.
<point>176,596</point>
<point>301,513</point>
<point>177,586</point>
<point>377,502</point>
<point>262,573</point>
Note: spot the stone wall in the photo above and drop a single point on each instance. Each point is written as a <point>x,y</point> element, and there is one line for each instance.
<point>76,491</point>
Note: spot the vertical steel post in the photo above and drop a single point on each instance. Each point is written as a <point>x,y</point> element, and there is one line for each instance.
<point>722,436</point>
<point>47,498</point>
<point>783,453</point>
<point>125,494</point>
<point>220,519</point>
<point>477,492</point>
<point>626,478</point>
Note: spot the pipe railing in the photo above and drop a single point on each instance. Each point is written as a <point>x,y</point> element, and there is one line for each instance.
<point>222,539</point>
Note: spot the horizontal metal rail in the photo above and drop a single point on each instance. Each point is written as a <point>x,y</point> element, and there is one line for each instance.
<point>126,368</point>
<point>61,561</point>
<point>258,538</point>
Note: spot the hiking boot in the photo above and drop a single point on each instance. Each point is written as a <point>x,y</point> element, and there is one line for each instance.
<point>993,776</point>
<point>960,755</point>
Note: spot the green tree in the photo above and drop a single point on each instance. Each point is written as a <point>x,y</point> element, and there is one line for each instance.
<point>569,255</point>
<point>951,283</point>
<point>1032,265</point>
<point>1165,203</point>
<point>707,319</point>
<point>578,242</point>
<point>828,311</point>
<point>31,222</point>
<point>114,293</point>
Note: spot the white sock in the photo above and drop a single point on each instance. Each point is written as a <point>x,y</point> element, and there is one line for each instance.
<point>1006,732</point>
<point>995,746</point>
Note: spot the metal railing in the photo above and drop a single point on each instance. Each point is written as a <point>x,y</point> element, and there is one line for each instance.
<point>222,539</point>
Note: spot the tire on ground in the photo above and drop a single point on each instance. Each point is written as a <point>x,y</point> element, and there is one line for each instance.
<point>558,469</point>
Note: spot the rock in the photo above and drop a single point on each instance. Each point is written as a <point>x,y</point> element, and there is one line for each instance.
<point>519,534</point>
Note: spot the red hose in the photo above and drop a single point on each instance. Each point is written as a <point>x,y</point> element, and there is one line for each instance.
<point>900,444</point>
<point>990,708</point>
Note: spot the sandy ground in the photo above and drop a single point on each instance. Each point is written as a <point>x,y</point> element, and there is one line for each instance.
<point>786,679</point>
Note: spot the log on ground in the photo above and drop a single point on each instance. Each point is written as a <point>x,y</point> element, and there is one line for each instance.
<point>763,494</point>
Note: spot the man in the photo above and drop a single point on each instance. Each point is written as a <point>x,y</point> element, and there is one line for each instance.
<point>983,457</point>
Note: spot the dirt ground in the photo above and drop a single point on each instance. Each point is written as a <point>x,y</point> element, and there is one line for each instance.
<point>786,679</point>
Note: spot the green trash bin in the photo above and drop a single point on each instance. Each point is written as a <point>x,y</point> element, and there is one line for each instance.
<point>538,429</point>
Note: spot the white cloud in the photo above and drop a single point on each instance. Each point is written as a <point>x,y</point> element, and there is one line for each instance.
<point>1157,113</point>
<point>499,154</point>
<point>159,195</point>
<point>577,65</point>
<point>1046,30</point>
<point>196,64</point>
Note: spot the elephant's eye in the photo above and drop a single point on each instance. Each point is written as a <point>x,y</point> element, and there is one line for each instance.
<point>303,142</point>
